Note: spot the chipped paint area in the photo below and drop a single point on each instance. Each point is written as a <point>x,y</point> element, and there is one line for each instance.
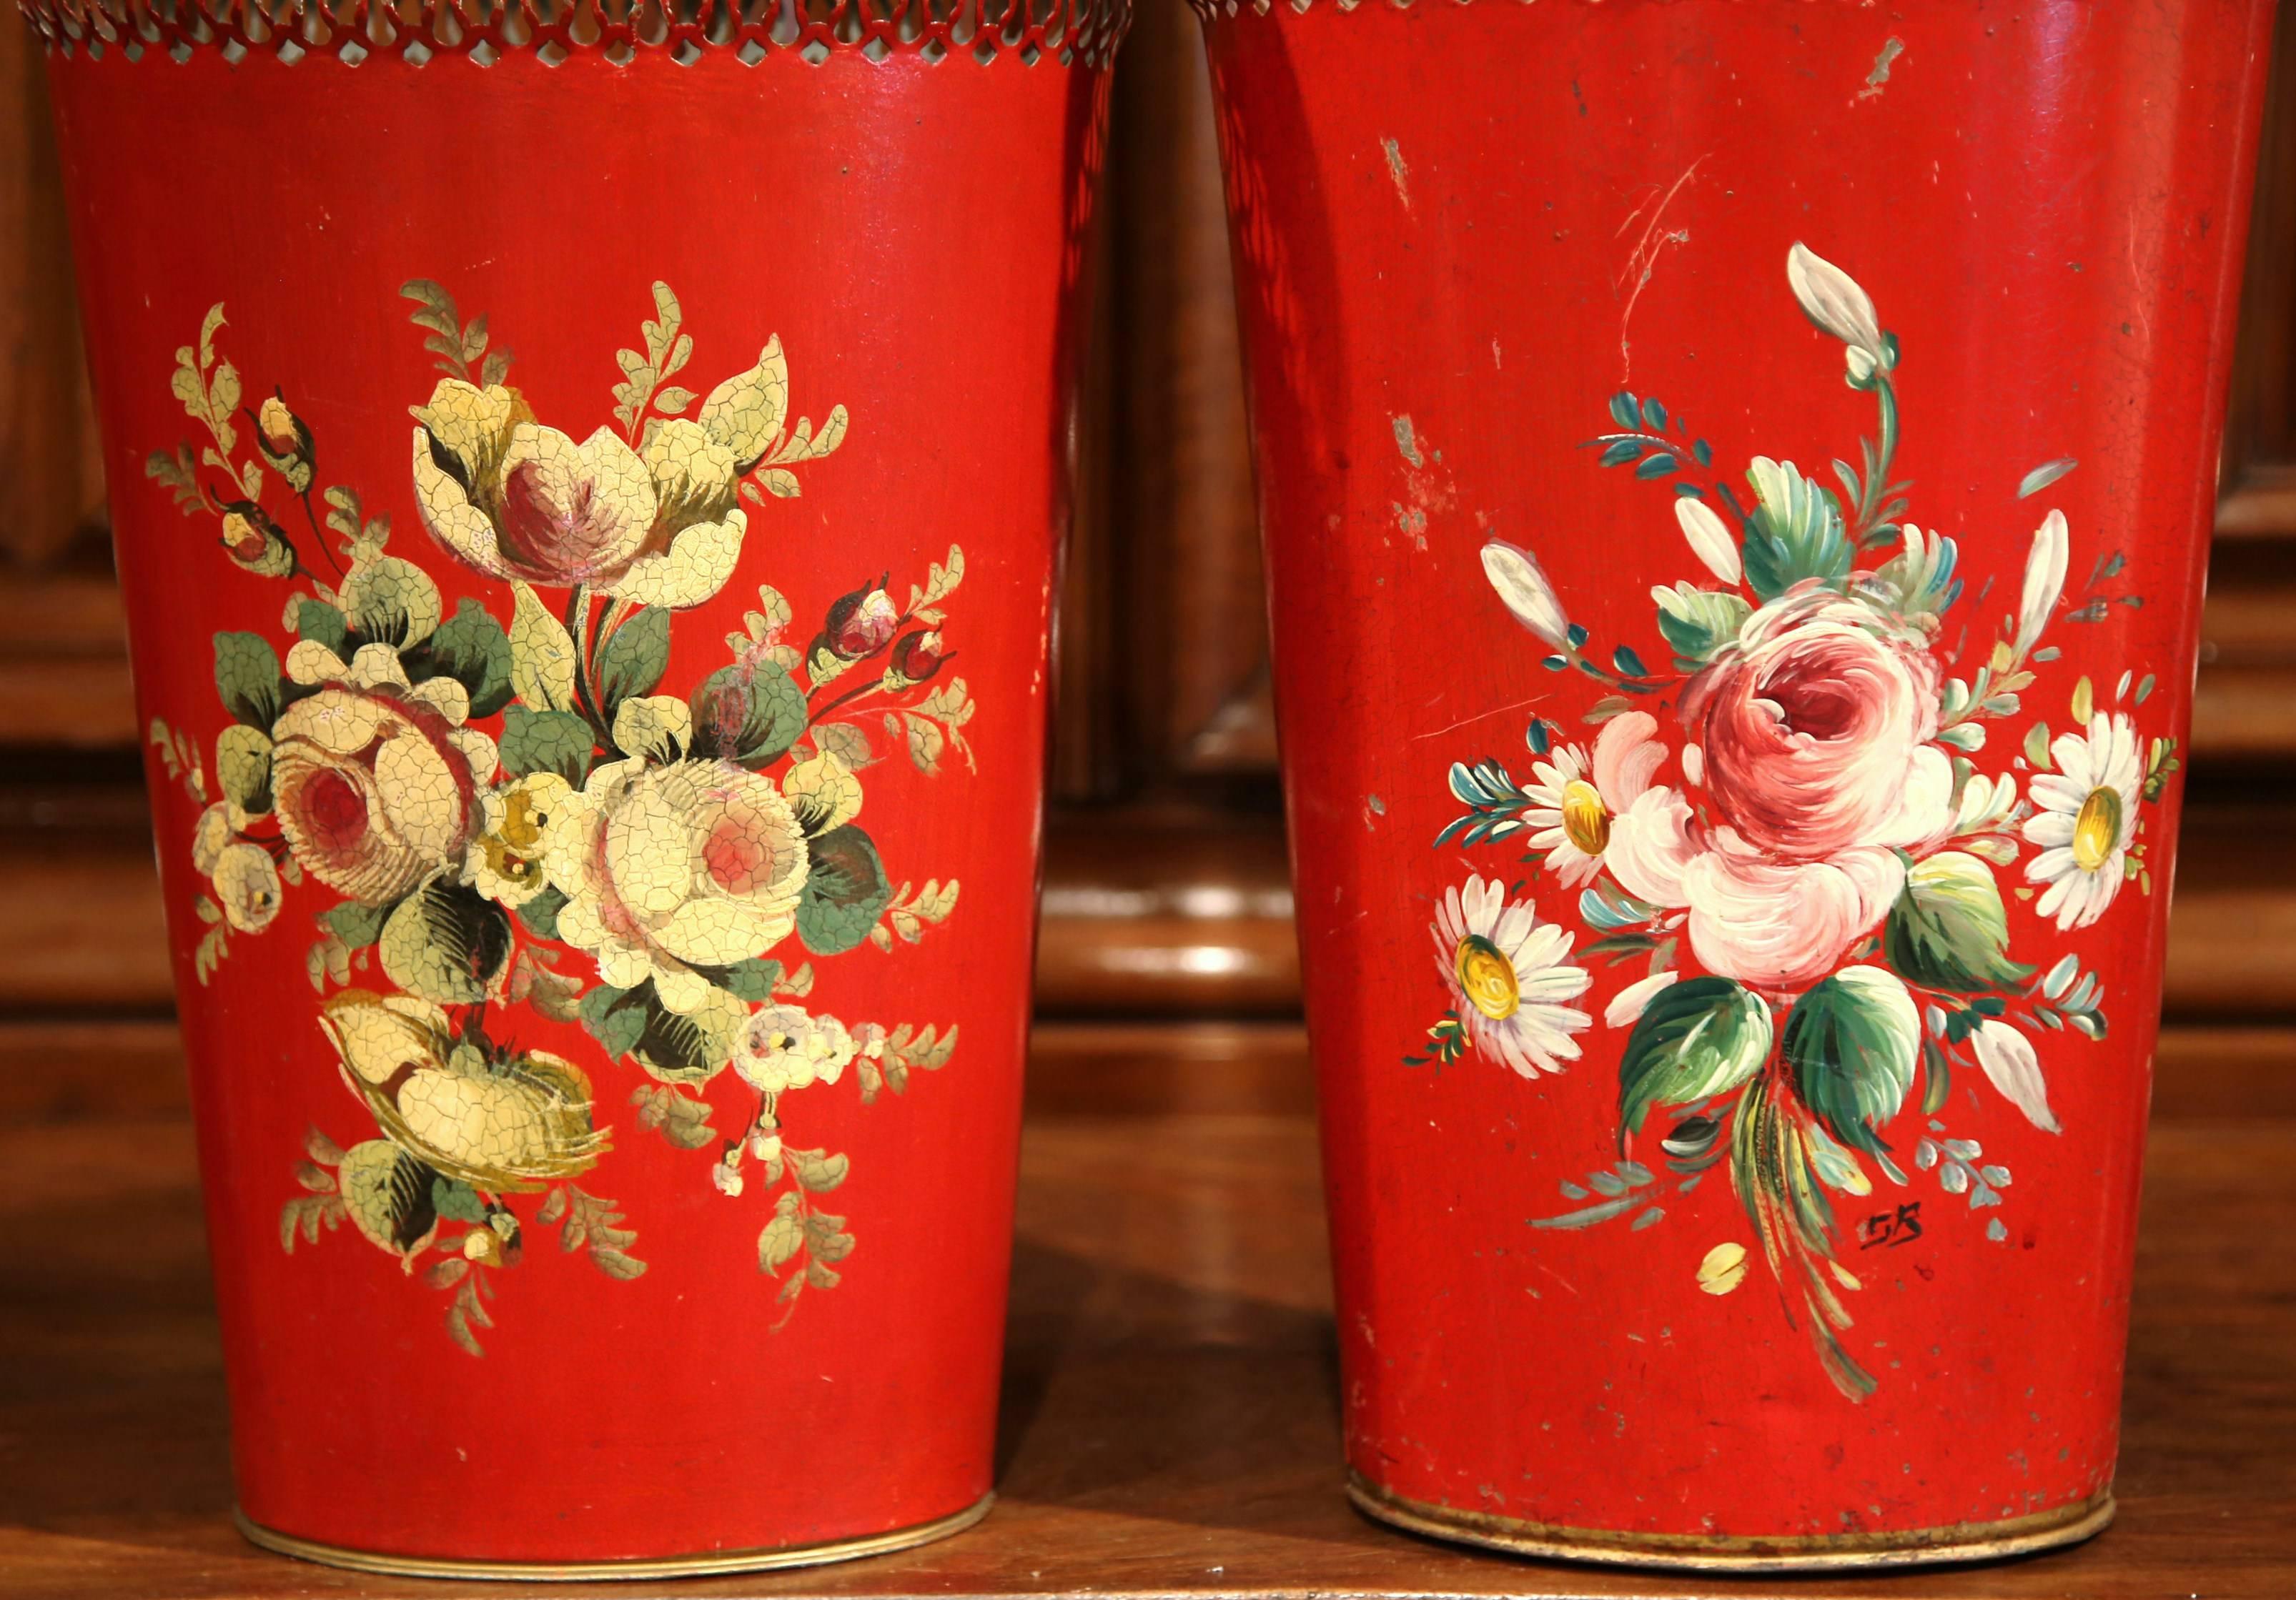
<point>1406,439</point>
<point>1397,170</point>
<point>1427,488</point>
<point>1878,79</point>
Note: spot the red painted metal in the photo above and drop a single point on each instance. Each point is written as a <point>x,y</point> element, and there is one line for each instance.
<point>1515,280</point>
<point>909,228</point>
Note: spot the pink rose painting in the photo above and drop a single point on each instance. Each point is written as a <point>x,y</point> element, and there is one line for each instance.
<point>1802,833</point>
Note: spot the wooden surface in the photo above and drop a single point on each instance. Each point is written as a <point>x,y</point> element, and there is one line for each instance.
<point>1169,1423</point>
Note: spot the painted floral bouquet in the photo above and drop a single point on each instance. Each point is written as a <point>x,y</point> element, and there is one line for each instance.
<point>1800,842</point>
<point>483,802</point>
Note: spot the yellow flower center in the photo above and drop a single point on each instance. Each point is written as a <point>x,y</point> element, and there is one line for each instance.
<point>1586,820</point>
<point>1486,978</point>
<point>514,851</point>
<point>522,823</point>
<point>2097,832</point>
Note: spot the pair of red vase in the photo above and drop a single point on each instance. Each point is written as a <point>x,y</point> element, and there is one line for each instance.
<point>1736,479</point>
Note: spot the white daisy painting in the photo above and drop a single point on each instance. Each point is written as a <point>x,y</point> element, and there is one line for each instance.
<point>1799,861</point>
<point>1511,978</point>
<point>2086,820</point>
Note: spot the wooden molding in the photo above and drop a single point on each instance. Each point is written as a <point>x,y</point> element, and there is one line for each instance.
<point>2260,503</point>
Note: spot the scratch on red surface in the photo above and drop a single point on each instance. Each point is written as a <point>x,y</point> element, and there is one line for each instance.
<point>1479,717</point>
<point>1397,171</point>
<point>1642,261</point>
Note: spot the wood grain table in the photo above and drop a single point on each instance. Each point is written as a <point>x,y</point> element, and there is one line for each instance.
<point>1169,1425</point>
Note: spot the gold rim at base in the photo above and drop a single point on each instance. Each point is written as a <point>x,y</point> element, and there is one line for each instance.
<point>582,1572</point>
<point>1813,1552</point>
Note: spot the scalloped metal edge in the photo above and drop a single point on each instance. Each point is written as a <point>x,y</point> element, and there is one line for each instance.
<point>1217,11</point>
<point>1067,32</point>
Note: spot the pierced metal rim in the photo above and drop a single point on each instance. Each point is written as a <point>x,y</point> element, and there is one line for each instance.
<point>670,1566</point>
<point>1065,33</point>
<point>1815,1553</point>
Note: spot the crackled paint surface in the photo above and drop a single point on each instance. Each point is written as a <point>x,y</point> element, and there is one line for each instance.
<point>507,817</point>
<point>590,601</point>
<point>1748,530</point>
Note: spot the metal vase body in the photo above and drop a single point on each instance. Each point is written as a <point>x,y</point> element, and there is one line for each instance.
<point>1736,480</point>
<point>586,650</point>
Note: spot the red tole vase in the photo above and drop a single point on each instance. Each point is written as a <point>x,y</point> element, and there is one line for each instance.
<point>590,634</point>
<point>1736,476</point>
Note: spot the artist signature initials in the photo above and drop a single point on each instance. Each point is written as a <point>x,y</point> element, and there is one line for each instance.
<point>1902,1226</point>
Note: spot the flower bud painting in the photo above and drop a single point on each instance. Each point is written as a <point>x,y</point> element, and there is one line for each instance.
<point>1761,520</point>
<point>596,708</point>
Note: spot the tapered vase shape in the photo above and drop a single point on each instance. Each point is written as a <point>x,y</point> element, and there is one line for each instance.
<point>593,662</point>
<point>1735,478</point>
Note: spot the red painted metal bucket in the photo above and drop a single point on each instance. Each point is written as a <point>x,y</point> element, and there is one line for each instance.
<point>1736,479</point>
<point>588,641</point>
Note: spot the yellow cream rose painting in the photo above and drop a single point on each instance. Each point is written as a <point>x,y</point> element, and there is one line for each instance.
<point>502,810</point>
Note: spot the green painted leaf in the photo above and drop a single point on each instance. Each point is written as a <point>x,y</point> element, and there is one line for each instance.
<point>386,1193</point>
<point>540,913</point>
<point>1949,929</point>
<point>817,1170</point>
<point>391,602</point>
<point>1851,1042</point>
<point>247,677</point>
<point>844,892</point>
<point>633,659</point>
<point>243,767</point>
<point>446,943</point>
<point>781,1239</point>
<point>322,624</point>
<point>1796,532</point>
<point>1697,1038</point>
<point>356,926</point>
<point>2041,476</point>
<point>614,1018</point>
<point>470,647</point>
<point>547,741</point>
<point>542,654</point>
<point>2037,746</point>
<point>826,1238</point>
<point>673,1047</point>
<point>1937,1077</point>
<point>752,980</point>
<point>456,1201</point>
<point>748,713</point>
<point>1697,624</point>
